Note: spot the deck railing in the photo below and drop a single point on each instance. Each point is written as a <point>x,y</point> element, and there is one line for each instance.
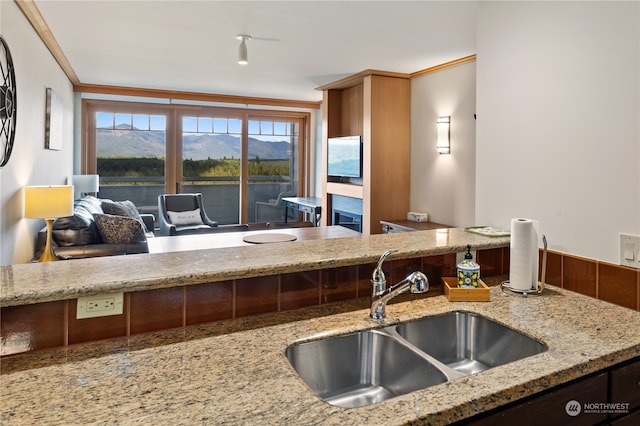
<point>221,195</point>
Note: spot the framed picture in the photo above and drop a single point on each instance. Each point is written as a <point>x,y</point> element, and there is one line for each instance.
<point>53,121</point>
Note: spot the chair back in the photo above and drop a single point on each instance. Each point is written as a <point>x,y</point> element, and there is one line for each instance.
<point>181,202</point>
<point>281,195</point>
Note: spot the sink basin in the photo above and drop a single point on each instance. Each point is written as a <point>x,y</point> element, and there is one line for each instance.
<point>367,367</point>
<point>468,342</point>
<point>362,368</point>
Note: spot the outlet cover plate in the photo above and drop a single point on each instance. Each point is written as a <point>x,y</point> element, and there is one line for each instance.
<point>630,250</point>
<point>102,305</point>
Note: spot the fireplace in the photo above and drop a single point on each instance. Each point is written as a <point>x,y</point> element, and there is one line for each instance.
<point>347,219</point>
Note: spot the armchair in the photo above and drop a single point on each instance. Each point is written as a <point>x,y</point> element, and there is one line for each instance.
<point>182,214</point>
<point>273,210</point>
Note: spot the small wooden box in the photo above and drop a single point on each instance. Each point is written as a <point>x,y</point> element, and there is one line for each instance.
<point>458,294</point>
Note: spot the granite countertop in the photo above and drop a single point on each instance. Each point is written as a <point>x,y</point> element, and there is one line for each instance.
<point>44,282</point>
<point>235,372</point>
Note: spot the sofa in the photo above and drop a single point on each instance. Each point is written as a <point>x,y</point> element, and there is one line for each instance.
<point>99,227</point>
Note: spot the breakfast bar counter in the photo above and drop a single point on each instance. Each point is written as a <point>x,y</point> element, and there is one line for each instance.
<point>236,372</point>
<point>44,282</point>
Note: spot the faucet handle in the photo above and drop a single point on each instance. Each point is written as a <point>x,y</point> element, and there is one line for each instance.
<point>378,273</point>
<point>384,256</point>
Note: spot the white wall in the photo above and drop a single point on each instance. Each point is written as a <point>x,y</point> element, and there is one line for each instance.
<point>30,163</point>
<point>444,185</point>
<point>558,130</point>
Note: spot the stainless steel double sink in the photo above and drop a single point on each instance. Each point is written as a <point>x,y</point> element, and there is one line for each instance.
<point>370,366</point>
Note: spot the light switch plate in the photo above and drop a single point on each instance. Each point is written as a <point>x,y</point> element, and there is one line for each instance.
<point>630,250</point>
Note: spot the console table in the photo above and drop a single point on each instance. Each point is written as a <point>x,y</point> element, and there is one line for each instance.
<point>403,225</point>
<point>311,205</point>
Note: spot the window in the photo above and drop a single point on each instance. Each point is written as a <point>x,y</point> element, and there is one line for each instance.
<point>234,157</point>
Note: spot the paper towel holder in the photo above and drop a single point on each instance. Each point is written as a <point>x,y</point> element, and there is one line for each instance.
<point>506,285</point>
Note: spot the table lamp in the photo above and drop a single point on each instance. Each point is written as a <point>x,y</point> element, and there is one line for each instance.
<point>85,184</point>
<point>48,203</point>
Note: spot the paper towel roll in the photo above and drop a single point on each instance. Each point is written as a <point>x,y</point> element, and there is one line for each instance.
<point>523,266</point>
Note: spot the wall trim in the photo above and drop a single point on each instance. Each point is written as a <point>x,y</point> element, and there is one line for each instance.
<point>192,96</point>
<point>449,64</point>
<point>33,15</point>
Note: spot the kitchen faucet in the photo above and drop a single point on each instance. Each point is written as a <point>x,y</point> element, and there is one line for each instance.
<point>417,282</point>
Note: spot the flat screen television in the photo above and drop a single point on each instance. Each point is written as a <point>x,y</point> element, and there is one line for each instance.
<point>344,157</point>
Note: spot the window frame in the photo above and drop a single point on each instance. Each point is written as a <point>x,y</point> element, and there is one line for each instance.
<point>173,160</point>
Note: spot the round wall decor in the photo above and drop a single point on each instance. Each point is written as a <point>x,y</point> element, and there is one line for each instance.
<point>7,102</point>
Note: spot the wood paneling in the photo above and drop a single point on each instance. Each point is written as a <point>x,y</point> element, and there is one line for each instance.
<point>256,295</point>
<point>375,105</point>
<point>579,275</point>
<point>154,310</point>
<point>299,289</point>
<point>209,302</point>
<point>390,144</point>
<point>351,110</point>
<point>338,284</point>
<point>32,327</point>
<point>619,285</point>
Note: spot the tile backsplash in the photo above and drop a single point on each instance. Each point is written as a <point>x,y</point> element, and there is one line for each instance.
<point>54,324</point>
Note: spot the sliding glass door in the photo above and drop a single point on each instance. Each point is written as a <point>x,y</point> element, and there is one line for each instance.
<point>211,161</point>
<point>273,158</point>
<point>242,161</point>
<point>130,155</point>
<point>238,161</point>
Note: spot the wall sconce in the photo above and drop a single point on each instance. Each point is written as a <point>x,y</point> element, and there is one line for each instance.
<point>48,203</point>
<point>85,184</point>
<point>444,143</point>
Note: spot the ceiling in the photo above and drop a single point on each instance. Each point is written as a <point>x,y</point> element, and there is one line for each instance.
<point>296,46</point>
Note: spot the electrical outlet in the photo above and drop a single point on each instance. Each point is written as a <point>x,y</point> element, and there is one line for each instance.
<point>630,250</point>
<point>100,306</point>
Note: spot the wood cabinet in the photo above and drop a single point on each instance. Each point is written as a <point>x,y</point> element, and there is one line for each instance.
<point>376,106</point>
<point>615,385</point>
<point>550,408</point>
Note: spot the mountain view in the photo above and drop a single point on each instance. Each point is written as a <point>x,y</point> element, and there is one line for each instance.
<point>149,144</point>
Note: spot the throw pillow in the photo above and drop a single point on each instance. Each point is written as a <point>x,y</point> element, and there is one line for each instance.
<point>191,217</point>
<point>119,229</point>
<point>122,208</point>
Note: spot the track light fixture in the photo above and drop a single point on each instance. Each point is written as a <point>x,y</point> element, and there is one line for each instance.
<point>243,58</point>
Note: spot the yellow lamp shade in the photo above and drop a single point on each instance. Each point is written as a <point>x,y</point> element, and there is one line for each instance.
<point>42,202</point>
